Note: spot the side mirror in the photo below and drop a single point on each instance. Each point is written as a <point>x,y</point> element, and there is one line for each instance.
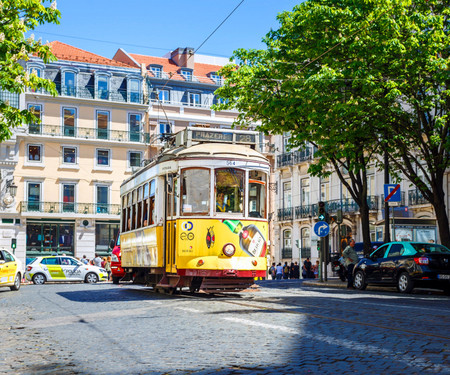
<point>2,261</point>
<point>111,244</point>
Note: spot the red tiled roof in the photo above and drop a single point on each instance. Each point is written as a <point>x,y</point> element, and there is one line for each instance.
<point>201,71</point>
<point>67,52</point>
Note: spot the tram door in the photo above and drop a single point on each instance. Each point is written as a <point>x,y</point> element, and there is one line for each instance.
<point>171,225</point>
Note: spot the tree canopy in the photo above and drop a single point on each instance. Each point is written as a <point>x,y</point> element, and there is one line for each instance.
<point>16,18</point>
<point>351,78</point>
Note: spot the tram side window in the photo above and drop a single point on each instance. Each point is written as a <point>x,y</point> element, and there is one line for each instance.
<point>195,188</point>
<point>229,190</point>
<point>149,204</point>
<point>257,194</point>
<point>133,217</point>
<point>139,205</point>
<point>129,211</point>
<point>124,213</point>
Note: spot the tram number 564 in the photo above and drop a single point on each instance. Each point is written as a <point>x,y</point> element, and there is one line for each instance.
<point>229,162</point>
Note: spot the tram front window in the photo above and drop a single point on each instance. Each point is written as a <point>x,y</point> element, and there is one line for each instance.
<point>257,194</point>
<point>195,191</point>
<point>229,190</point>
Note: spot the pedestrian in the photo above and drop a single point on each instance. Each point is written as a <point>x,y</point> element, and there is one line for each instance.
<point>351,258</point>
<point>279,271</point>
<point>273,271</point>
<point>296,271</point>
<point>103,262</point>
<point>316,270</point>
<point>291,271</point>
<point>108,267</point>
<point>85,260</point>
<point>308,273</point>
<point>97,260</point>
<point>285,271</point>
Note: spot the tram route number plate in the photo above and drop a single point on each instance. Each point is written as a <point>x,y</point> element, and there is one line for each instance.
<point>444,277</point>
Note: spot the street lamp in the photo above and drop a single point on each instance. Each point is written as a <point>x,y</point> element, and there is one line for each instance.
<point>12,189</point>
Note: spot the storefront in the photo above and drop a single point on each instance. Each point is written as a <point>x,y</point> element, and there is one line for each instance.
<point>105,232</point>
<point>409,229</point>
<point>50,237</point>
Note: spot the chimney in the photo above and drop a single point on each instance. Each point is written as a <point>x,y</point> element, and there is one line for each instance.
<point>183,57</point>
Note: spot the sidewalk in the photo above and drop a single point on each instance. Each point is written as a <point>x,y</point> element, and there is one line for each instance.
<point>334,282</point>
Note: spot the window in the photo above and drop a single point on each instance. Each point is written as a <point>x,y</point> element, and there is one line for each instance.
<point>102,87</point>
<point>103,158</point>
<point>134,123</point>
<point>194,99</point>
<point>102,199</point>
<point>306,242</point>
<point>324,189</point>
<point>34,196</point>
<point>287,244</point>
<point>164,96</point>
<point>134,89</point>
<point>216,78</point>
<point>187,74</point>
<point>69,155</point>
<point>165,128</point>
<point>35,126</point>
<point>69,115</point>
<point>287,196</point>
<point>104,233</point>
<point>379,253</point>
<point>396,250</point>
<point>34,153</point>
<point>68,192</point>
<point>50,261</point>
<point>257,194</point>
<point>69,87</point>
<point>149,212</point>
<point>304,186</point>
<point>195,187</point>
<point>135,158</point>
<point>229,184</point>
<point>37,71</point>
<point>102,124</point>
<point>156,70</point>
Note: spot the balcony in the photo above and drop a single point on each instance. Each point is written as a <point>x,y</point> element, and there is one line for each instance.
<point>88,133</point>
<point>285,214</point>
<point>347,205</point>
<point>305,252</point>
<point>415,197</point>
<point>205,105</point>
<point>295,157</point>
<point>286,252</point>
<point>69,208</point>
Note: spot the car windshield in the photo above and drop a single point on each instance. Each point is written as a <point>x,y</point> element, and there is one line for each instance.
<point>430,248</point>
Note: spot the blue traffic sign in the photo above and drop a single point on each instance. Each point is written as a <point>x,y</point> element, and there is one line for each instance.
<point>392,193</point>
<point>321,229</point>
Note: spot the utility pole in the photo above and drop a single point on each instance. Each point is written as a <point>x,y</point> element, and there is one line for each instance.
<point>387,232</point>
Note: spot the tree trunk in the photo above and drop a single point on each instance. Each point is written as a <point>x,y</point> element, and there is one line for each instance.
<point>442,219</point>
<point>365,226</point>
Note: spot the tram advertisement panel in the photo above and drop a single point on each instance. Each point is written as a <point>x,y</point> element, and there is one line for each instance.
<point>140,248</point>
<point>206,237</point>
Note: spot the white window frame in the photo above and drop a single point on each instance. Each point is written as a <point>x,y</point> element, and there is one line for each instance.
<point>108,127</point>
<point>165,124</point>
<point>156,70</point>
<point>187,74</point>
<point>163,100</point>
<point>65,164</point>
<point>75,80</point>
<point>75,120</point>
<point>108,186</point>
<point>193,104</point>
<point>29,162</point>
<point>102,166</point>
<point>217,78</point>
<point>129,166</point>
<point>41,190</point>
<point>75,191</point>
<point>98,77</point>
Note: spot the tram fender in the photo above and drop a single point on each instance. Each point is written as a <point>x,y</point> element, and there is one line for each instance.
<point>171,281</point>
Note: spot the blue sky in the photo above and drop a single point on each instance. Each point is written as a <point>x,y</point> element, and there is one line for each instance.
<point>154,27</point>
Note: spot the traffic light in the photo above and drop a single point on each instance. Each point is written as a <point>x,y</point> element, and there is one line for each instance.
<point>322,213</point>
<point>13,243</point>
<point>333,219</point>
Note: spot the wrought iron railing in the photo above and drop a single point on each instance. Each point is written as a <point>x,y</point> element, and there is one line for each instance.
<point>305,252</point>
<point>89,133</point>
<point>285,214</point>
<point>295,157</point>
<point>65,207</point>
<point>415,197</point>
<point>286,252</point>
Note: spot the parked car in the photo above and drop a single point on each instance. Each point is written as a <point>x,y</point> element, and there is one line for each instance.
<point>117,271</point>
<point>11,270</point>
<point>359,248</point>
<point>63,268</point>
<point>406,265</point>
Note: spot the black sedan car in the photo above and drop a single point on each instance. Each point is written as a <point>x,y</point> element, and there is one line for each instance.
<point>406,265</point>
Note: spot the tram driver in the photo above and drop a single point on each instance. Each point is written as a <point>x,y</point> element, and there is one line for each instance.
<point>221,202</point>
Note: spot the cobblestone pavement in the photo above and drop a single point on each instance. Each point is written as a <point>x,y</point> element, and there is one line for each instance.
<point>282,327</point>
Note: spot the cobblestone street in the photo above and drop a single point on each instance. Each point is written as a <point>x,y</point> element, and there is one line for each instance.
<point>281,327</point>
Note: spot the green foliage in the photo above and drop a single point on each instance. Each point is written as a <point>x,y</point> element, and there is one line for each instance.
<point>18,17</point>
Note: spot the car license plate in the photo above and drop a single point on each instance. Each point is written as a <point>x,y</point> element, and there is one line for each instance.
<point>444,277</point>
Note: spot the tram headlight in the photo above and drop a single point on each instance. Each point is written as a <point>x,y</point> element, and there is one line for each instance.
<point>229,249</point>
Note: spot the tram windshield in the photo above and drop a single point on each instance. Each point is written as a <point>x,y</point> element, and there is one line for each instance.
<point>257,194</point>
<point>229,190</point>
<point>195,187</point>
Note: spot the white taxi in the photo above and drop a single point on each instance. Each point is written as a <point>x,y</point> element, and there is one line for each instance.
<point>11,270</point>
<point>63,268</point>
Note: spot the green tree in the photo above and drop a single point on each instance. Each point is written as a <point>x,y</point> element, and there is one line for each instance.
<point>16,18</point>
<point>328,77</point>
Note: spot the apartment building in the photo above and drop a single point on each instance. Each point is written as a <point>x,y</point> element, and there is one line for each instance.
<point>296,207</point>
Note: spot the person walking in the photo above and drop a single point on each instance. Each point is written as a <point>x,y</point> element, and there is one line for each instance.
<point>273,271</point>
<point>296,271</point>
<point>108,267</point>
<point>307,268</point>
<point>285,271</point>
<point>351,258</point>
<point>279,271</point>
<point>97,261</point>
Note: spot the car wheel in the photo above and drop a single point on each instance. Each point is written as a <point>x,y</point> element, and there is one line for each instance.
<point>115,279</point>
<point>39,279</point>
<point>404,283</point>
<point>359,281</point>
<point>91,278</point>
<point>16,285</point>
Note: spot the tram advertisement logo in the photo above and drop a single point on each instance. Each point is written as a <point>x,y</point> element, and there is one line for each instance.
<point>210,237</point>
<point>186,236</point>
<point>187,225</point>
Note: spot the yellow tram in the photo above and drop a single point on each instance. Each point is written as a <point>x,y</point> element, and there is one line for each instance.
<point>196,216</point>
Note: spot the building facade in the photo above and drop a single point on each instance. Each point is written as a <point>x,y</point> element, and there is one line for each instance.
<point>298,195</point>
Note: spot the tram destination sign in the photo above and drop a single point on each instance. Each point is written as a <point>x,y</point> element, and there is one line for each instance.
<point>205,135</point>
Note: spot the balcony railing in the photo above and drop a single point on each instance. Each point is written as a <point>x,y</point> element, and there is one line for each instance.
<point>305,252</point>
<point>415,197</point>
<point>205,105</point>
<point>286,252</point>
<point>75,208</point>
<point>285,214</point>
<point>295,157</point>
<point>89,133</point>
<point>347,205</point>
